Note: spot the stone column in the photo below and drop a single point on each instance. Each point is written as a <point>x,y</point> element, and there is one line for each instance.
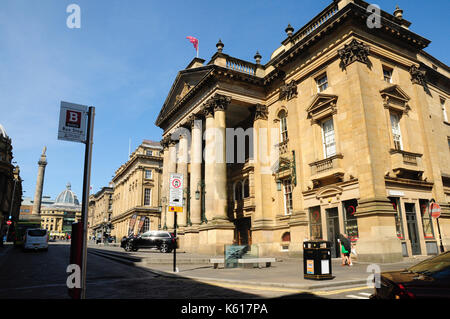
<point>164,184</point>
<point>220,167</point>
<point>196,168</point>
<point>208,111</point>
<point>182,168</point>
<point>171,168</point>
<point>39,184</point>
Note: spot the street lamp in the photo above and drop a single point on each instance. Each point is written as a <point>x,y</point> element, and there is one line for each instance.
<point>201,191</point>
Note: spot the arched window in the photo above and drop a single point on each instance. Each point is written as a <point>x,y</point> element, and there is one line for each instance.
<point>283,125</point>
<point>238,191</point>
<point>286,236</point>
<point>146,226</point>
<point>246,188</point>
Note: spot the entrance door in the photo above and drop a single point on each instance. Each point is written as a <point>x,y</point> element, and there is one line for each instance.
<point>243,234</point>
<point>413,231</point>
<point>333,231</point>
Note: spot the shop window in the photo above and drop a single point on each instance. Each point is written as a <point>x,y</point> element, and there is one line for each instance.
<point>398,217</point>
<point>315,219</point>
<point>350,220</point>
<point>426,218</point>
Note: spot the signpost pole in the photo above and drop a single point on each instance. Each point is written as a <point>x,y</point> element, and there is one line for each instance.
<point>86,183</point>
<point>175,247</point>
<point>440,237</point>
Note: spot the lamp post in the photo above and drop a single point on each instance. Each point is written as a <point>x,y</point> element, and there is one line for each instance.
<point>187,203</point>
<point>200,192</point>
<point>163,202</point>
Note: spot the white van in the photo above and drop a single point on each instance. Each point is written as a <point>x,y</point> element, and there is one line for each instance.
<point>36,239</point>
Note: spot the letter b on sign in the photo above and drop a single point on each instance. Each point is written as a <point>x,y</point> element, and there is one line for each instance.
<point>73,118</point>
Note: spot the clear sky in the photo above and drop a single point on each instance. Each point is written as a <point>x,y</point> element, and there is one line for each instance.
<point>123,61</point>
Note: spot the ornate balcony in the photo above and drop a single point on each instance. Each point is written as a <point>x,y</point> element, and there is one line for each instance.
<point>330,168</point>
<point>283,147</point>
<point>406,164</point>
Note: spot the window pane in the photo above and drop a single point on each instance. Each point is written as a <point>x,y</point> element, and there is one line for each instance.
<point>328,138</point>
<point>396,133</point>
<point>350,220</point>
<point>315,222</point>
<point>398,219</point>
<point>426,219</point>
<point>147,196</point>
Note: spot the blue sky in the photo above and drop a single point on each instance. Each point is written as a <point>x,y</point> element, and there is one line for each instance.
<point>123,61</point>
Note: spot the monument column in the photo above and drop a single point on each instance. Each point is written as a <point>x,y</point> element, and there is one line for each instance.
<point>39,184</point>
<point>208,111</point>
<point>196,168</point>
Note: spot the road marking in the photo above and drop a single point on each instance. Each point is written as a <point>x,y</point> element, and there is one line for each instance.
<point>335,292</point>
<point>265,288</point>
<point>356,297</point>
<point>365,294</point>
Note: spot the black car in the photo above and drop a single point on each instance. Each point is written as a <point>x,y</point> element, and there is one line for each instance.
<point>428,279</point>
<point>162,240</point>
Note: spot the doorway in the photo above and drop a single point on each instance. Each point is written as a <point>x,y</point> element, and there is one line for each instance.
<point>243,233</point>
<point>333,231</point>
<point>413,232</point>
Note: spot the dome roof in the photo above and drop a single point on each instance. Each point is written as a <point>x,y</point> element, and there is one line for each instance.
<point>3,131</point>
<point>67,197</point>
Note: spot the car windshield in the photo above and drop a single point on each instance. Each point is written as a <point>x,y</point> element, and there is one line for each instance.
<point>37,232</point>
<point>434,266</point>
<point>163,235</point>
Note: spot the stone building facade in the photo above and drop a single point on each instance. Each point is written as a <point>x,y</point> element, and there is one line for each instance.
<point>59,216</point>
<point>10,187</point>
<point>344,130</point>
<point>136,192</point>
<point>100,211</point>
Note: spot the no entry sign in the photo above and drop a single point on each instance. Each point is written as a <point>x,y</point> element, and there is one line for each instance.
<point>176,191</point>
<point>435,210</point>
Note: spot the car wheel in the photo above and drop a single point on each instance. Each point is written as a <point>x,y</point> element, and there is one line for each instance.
<point>128,247</point>
<point>164,248</point>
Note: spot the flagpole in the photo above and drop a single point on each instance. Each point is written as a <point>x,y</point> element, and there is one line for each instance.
<point>198,47</point>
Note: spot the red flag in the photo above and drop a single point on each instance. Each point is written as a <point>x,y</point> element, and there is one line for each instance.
<point>194,41</point>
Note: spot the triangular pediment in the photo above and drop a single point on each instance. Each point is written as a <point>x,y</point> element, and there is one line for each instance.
<point>322,105</point>
<point>395,98</point>
<point>184,83</point>
<point>394,91</point>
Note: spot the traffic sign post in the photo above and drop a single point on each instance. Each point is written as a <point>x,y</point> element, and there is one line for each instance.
<point>435,210</point>
<point>175,205</point>
<point>76,124</point>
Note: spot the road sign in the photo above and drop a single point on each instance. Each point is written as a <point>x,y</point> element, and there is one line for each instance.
<point>435,210</point>
<point>72,122</point>
<point>9,222</point>
<point>175,209</point>
<point>176,191</point>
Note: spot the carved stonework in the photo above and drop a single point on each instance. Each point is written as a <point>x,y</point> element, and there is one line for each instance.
<point>184,91</point>
<point>260,112</point>
<point>394,98</point>
<point>417,76</point>
<point>194,121</point>
<point>221,102</point>
<point>165,142</point>
<point>355,51</point>
<point>208,109</point>
<point>288,90</point>
<point>322,106</point>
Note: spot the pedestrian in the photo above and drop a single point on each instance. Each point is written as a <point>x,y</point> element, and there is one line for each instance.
<point>345,250</point>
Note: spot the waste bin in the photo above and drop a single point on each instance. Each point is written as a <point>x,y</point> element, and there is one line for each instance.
<point>317,260</point>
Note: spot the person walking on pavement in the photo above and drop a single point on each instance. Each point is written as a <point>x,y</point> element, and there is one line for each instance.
<point>345,250</point>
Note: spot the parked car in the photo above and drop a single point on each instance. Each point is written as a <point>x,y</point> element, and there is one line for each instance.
<point>35,239</point>
<point>428,279</point>
<point>162,240</point>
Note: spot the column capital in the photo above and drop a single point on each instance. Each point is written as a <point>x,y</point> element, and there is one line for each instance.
<point>221,102</point>
<point>194,121</point>
<point>260,112</point>
<point>208,109</point>
<point>417,75</point>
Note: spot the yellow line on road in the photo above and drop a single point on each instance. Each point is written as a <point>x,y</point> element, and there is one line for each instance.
<point>282,289</point>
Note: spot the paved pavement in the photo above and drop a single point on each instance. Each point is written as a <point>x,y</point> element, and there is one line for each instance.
<point>113,273</point>
<point>285,273</point>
